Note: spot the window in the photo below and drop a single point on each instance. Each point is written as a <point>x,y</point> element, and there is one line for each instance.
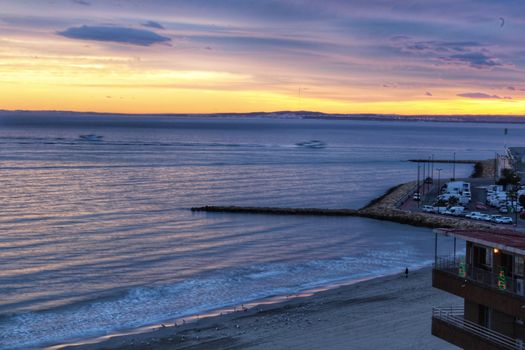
<point>488,257</point>
<point>518,265</point>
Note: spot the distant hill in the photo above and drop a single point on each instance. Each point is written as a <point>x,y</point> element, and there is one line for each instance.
<point>40,117</point>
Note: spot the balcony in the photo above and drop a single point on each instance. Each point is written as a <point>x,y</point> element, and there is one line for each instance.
<point>482,276</point>
<point>479,286</point>
<point>450,325</point>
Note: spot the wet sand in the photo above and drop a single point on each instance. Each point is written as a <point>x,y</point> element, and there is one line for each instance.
<point>391,312</point>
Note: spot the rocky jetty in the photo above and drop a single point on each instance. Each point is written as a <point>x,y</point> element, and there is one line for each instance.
<point>387,207</point>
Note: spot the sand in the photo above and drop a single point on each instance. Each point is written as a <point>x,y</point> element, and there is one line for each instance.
<point>390,312</point>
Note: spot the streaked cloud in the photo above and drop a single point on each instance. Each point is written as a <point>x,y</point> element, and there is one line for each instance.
<point>81,2</point>
<point>475,59</point>
<point>123,35</point>
<point>153,24</point>
<point>470,53</point>
<point>481,95</point>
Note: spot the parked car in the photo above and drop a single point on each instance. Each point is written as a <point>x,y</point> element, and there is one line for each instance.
<point>428,209</point>
<point>471,214</point>
<point>495,218</point>
<point>481,206</point>
<point>440,210</point>
<point>456,211</point>
<point>476,217</point>
<point>504,220</point>
<point>505,208</point>
<point>484,217</point>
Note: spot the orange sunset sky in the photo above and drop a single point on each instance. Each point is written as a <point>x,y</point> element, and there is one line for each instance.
<point>207,56</point>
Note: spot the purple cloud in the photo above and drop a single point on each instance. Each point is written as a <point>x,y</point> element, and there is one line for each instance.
<point>428,93</point>
<point>481,95</point>
<point>475,60</point>
<point>471,53</point>
<point>153,24</point>
<point>81,2</point>
<point>122,35</point>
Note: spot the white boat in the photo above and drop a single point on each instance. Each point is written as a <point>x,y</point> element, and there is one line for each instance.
<point>91,137</point>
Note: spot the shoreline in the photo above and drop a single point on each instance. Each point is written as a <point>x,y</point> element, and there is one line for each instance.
<point>291,321</point>
<point>189,319</point>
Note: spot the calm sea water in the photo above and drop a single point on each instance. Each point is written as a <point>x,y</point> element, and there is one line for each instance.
<point>93,234</point>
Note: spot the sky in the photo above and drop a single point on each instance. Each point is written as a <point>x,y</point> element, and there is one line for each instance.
<point>214,56</point>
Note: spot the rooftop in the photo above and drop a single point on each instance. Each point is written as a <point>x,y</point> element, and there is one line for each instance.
<point>507,240</point>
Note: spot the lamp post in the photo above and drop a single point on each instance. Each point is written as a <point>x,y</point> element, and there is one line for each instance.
<point>454,168</point>
<point>430,175</point>
<point>417,190</point>
<point>515,197</point>
<point>423,178</point>
<point>439,178</point>
<point>432,167</point>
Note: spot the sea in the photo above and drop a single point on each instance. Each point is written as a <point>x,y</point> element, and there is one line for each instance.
<point>97,236</point>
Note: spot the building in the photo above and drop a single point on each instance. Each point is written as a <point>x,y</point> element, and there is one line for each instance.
<point>516,160</point>
<point>489,276</point>
<point>457,187</point>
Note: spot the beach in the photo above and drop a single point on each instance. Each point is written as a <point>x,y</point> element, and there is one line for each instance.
<point>391,312</point>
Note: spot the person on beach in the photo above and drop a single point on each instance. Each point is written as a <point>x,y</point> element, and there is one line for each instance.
<point>406,272</point>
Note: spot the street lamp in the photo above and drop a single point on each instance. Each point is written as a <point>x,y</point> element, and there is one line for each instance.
<point>515,198</point>
<point>424,178</point>
<point>454,168</point>
<point>432,167</point>
<point>439,178</point>
<point>417,191</point>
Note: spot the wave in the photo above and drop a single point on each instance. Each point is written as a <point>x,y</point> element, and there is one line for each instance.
<point>158,303</point>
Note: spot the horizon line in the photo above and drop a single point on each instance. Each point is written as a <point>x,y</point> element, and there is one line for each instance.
<point>262,112</point>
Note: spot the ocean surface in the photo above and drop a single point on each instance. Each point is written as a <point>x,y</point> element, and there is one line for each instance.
<point>97,236</point>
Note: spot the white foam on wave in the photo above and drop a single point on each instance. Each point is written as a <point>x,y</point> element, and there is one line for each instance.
<point>141,306</point>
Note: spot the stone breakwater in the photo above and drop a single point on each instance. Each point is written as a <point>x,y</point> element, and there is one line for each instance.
<point>386,207</point>
<point>279,211</point>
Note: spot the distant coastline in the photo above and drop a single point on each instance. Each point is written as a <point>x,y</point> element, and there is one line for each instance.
<point>518,119</point>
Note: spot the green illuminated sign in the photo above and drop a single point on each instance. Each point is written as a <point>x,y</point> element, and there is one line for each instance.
<point>462,272</point>
<point>502,280</point>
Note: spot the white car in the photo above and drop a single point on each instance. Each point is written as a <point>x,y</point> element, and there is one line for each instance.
<point>504,220</point>
<point>484,217</point>
<point>495,218</point>
<point>440,210</point>
<point>456,211</point>
<point>471,215</point>
<point>428,209</point>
